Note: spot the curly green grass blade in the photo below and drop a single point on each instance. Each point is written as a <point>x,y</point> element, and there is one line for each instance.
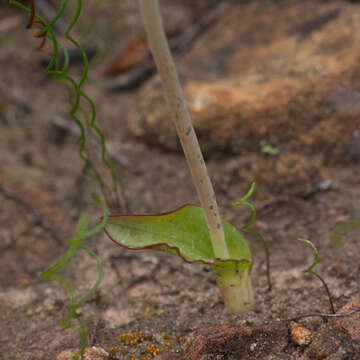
<point>247,227</point>
<point>81,329</point>
<point>91,103</point>
<point>312,272</point>
<point>75,95</point>
<point>316,256</point>
<point>75,243</point>
<point>91,125</point>
<point>83,150</point>
<point>246,196</point>
<point>92,291</point>
<point>55,18</point>
<point>66,58</point>
<point>60,75</point>
<point>53,61</point>
<point>66,284</point>
<point>74,42</point>
<point>101,140</point>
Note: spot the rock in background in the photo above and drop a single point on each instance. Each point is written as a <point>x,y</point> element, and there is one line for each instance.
<point>278,73</point>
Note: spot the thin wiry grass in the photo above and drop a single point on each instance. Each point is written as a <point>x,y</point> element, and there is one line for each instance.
<point>52,273</point>
<point>76,94</point>
<point>59,73</point>
<point>312,272</point>
<point>248,227</point>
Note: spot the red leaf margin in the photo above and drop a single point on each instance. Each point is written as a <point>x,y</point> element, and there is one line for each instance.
<point>157,245</point>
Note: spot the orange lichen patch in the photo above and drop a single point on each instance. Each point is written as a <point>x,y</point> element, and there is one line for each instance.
<point>153,350</point>
<point>147,311</point>
<point>112,352</point>
<point>160,311</point>
<point>138,342</point>
<point>179,337</point>
<point>133,339</point>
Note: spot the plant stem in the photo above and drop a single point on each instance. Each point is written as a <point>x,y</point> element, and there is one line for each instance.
<point>236,288</point>
<point>181,117</point>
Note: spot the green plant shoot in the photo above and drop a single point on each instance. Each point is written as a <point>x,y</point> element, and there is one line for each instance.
<point>75,244</point>
<point>248,227</point>
<point>76,94</point>
<point>195,234</point>
<point>184,233</point>
<point>312,272</point>
<point>269,149</point>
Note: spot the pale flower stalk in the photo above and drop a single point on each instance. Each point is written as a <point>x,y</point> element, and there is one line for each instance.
<point>185,130</point>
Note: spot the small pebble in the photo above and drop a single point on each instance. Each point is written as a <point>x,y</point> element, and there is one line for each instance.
<point>325,185</point>
<point>253,347</point>
<point>300,335</point>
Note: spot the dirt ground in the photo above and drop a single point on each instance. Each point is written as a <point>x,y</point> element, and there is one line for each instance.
<point>176,305</point>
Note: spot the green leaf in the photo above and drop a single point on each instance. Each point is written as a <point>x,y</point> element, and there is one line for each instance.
<point>269,149</point>
<point>182,232</point>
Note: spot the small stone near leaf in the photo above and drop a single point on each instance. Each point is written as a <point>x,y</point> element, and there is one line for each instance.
<point>300,335</point>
